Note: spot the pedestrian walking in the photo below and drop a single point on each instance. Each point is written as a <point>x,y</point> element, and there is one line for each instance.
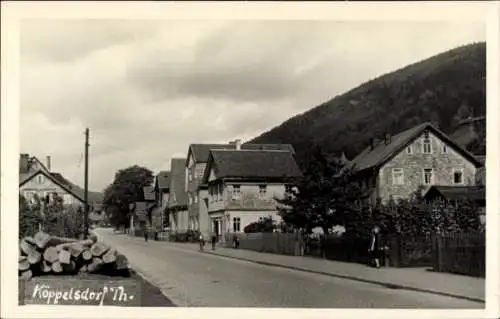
<point>214,240</point>
<point>236,242</point>
<point>375,248</point>
<point>201,239</point>
<point>146,234</point>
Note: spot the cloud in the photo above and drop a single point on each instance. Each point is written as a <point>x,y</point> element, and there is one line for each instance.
<point>148,89</point>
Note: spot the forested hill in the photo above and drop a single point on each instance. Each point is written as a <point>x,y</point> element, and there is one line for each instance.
<point>442,89</point>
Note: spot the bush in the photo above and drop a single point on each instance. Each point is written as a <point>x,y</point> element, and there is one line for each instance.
<point>263,225</point>
<point>29,219</point>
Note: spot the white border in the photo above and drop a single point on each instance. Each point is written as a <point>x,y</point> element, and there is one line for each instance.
<point>12,12</point>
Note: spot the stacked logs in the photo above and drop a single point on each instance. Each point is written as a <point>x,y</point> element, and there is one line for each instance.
<point>45,254</point>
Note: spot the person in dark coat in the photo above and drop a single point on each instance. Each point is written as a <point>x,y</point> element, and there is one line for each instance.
<point>236,241</point>
<point>214,240</point>
<point>146,233</point>
<point>375,249</point>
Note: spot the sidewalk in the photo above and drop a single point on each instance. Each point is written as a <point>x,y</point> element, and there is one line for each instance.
<point>417,279</point>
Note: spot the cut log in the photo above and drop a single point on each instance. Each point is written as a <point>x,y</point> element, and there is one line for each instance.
<point>45,267</point>
<point>64,257</point>
<point>42,239</point>
<point>21,257</point>
<point>95,265</point>
<point>93,238</point>
<point>50,254</point>
<point>24,264</point>
<point>34,257</point>
<point>54,241</point>
<point>30,240</point>
<point>121,262</point>
<point>26,247</point>
<point>98,249</point>
<point>109,257</point>
<point>83,269</point>
<point>86,255</point>
<point>26,275</point>
<point>76,250</point>
<point>76,247</point>
<point>56,267</point>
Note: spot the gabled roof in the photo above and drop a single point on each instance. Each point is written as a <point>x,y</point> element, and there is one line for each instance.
<point>177,182</point>
<point>200,152</point>
<point>252,164</point>
<point>149,193</point>
<point>162,180</point>
<point>54,180</point>
<point>474,193</point>
<point>382,153</point>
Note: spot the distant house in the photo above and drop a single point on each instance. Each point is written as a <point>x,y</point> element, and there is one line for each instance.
<point>197,193</point>
<point>243,184</point>
<point>177,201</point>
<point>161,191</point>
<point>421,156</point>
<point>141,211</point>
<point>36,179</point>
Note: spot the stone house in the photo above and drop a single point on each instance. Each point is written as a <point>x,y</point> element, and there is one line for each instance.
<point>196,192</point>
<point>423,156</point>
<point>243,185</point>
<point>177,201</point>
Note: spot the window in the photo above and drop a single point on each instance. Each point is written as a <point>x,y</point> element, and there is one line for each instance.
<point>236,224</point>
<point>445,150</point>
<point>409,150</point>
<point>288,191</point>
<point>397,176</point>
<point>40,179</point>
<point>236,190</point>
<point>196,198</point>
<point>262,190</point>
<point>190,200</point>
<point>428,176</point>
<point>458,176</point>
<point>426,146</point>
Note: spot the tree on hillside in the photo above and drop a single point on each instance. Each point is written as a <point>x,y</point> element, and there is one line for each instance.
<point>325,196</point>
<point>127,188</point>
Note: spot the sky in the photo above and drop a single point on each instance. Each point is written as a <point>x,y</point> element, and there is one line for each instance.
<point>147,89</point>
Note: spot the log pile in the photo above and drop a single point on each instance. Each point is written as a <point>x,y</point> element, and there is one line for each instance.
<point>43,254</point>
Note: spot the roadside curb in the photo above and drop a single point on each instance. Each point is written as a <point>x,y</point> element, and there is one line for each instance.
<point>151,282</point>
<point>349,277</point>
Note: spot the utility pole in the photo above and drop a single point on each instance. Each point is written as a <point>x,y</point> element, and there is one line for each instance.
<point>86,196</point>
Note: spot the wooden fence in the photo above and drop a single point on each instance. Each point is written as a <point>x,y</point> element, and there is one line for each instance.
<point>408,251</point>
<point>462,253</point>
<point>275,243</point>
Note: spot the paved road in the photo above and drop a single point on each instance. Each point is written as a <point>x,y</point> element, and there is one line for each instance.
<point>192,278</point>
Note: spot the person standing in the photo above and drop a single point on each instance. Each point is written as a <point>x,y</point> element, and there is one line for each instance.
<point>375,248</point>
<point>201,239</point>
<point>214,240</point>
<point>146,233</point>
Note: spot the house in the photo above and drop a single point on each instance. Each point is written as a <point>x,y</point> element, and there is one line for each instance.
<point>141,211</point>
<point>177,201</point>
<point>36,179</point>
<point>197,193</point>
<point>396,166</point>
<point>243,186</point>
<point>161,191</point>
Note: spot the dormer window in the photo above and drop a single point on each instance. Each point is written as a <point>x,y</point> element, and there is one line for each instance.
<point>409,150</point>
<point>426,146</point>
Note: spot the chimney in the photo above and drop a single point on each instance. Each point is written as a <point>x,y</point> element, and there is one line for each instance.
<point>372,143</point>
<point>238,144</point>
<point>387,138</point>
<point>24,163</point>
<point>48,164</point>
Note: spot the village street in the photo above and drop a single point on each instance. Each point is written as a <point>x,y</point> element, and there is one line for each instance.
<point>191,278</point>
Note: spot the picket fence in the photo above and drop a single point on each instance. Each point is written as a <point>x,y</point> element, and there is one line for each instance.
<point>275,243</point>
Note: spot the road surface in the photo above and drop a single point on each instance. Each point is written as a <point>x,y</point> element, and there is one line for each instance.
<point>191,278</point>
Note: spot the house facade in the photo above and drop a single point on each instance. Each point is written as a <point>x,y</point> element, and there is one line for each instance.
<point>397,166</point>
<point>177,202</point>
<point>243,186</point>
<point>162,192</point>
<point>197,192</point>
<point>37,180</point>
